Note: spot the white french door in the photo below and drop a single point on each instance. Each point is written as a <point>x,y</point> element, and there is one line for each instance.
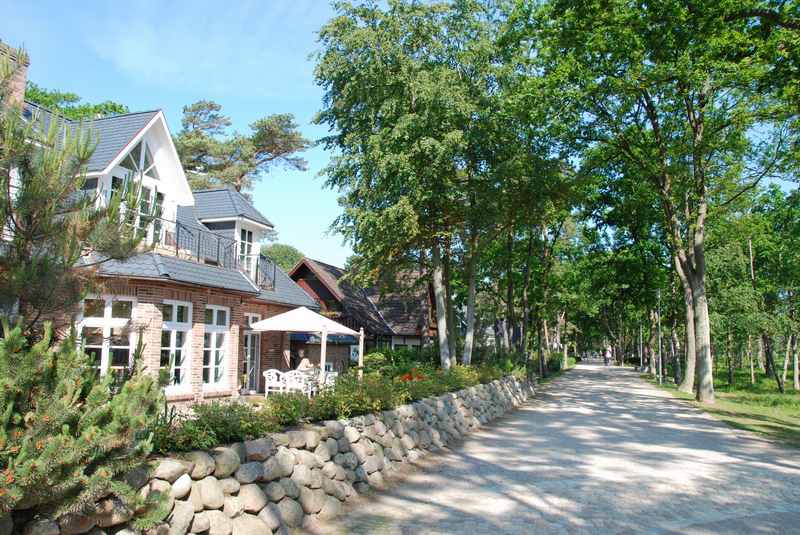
<point>252,355</point>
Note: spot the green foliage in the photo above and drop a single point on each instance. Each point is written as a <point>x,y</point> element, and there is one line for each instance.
<point>69,104</point>
<point>66,434</point>
<point>58,234</point>
<point>214,158</point>
<point>385,387</point>
<point>284,255</point>
<point>210,425</point>
<point>288,408</point>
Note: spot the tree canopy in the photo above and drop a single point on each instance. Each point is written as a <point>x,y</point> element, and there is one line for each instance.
<point>213,156</point>
<point>69,104</point>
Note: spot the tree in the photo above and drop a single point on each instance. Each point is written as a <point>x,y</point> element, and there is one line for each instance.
<point>69,104</point>
<point>56,235</point>
<point>213,158</point>
<point>67,435</point>
<point>282,254</point>
<point>680,113</point>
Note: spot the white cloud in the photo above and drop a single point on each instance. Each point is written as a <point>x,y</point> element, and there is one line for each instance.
<point>250,49</point>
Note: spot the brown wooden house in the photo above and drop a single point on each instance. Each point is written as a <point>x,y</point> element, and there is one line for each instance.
<point>402,318</point>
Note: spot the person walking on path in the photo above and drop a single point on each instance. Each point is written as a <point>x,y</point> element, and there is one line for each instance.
<point>607,356</point>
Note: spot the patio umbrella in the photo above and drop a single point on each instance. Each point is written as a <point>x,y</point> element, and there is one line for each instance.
<point>303,320</point>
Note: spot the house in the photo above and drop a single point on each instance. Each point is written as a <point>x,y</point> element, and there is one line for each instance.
<point>192,293</point>
<point>401,318</point>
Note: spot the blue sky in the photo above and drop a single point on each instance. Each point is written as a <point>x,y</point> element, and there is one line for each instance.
<point>252,57</point>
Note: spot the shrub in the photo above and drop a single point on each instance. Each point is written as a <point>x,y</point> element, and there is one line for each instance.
<point>287,409</point>
<point>66,434</point>
<point>401,381</point>
<point>210,425</point>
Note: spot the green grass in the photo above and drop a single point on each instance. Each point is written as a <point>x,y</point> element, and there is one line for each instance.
<point>759,407</point>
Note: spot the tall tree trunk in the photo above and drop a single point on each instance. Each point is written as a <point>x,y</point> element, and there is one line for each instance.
<point>650,343</point>
<point>540,337</point>
<point>687,382</point>
<point>472,274</point>
<point>675,347</point>
<point>510,286</point>
<point>795,364</point>
<point>730,360</point>
<point>752,365</point>
<point>526,305</point>
<point>452,333</point>
<point>786,358</point>
<point>705,366</point>
<point>440,297</point>
<point>771,361</point>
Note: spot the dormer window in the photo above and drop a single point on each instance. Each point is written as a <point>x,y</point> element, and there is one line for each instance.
<point>140,161</point>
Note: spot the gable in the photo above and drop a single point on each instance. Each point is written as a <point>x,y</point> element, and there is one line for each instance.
<point>152,155</point>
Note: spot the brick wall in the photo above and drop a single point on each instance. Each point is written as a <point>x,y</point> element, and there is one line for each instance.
<point>148,321</point>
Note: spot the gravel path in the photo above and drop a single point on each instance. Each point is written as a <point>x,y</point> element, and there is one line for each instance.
<point>598,451</point>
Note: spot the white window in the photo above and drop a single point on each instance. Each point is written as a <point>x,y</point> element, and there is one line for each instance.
<point>106,334</point>
<point>140,161</point>
<point>252,318</point>
<point>246,257</point>
<point>176,328</point>
<point>217,320</point>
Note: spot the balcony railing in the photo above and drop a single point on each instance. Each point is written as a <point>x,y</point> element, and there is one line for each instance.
<point>206,247</point>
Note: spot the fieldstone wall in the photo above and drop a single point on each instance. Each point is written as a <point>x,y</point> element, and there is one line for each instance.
<point>298,478</point>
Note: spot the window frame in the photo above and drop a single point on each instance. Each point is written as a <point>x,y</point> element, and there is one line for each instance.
<point>173,326</point>
<point>215,331</point>
<point>107,323</point>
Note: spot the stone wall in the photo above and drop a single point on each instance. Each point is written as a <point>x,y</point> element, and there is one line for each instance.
<point>298,478</point>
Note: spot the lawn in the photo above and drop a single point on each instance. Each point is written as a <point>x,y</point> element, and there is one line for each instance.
<point>759,408</point>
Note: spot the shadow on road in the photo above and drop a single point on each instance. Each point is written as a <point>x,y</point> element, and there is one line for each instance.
<point>597,451</point>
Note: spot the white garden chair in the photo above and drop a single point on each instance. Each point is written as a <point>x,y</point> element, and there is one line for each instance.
<point>274,381</point>
<point>297,381</point>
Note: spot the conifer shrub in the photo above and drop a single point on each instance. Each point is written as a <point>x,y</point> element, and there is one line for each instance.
<point>67,435</point>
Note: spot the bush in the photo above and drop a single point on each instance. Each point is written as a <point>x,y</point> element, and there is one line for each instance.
<point>210,425</point>
<point>392,379</point>
<point>66,434</point>
<point>287,409</point>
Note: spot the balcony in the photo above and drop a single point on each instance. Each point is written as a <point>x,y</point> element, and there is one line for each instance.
<point>207,247</point>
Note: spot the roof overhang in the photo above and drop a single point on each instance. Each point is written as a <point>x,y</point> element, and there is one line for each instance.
<point>249,220</point>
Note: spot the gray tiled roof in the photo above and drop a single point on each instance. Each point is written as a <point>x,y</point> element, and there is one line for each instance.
<point>225,203</point>
<point>287,292</point>
<point>111,134</point>
<point>158,266</point>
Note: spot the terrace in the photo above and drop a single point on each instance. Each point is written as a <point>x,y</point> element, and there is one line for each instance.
<point>207,247</point>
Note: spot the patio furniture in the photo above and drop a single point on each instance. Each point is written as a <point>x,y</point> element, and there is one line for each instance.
<point>299,381</point>
<point>303,320</point>
<point>274,381</point>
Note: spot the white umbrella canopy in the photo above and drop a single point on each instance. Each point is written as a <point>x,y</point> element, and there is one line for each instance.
<point>302,320</point>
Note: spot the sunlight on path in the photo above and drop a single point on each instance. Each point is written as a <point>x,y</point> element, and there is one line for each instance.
<point>598,451</point>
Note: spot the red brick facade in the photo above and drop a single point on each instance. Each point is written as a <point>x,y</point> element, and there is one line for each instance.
<point>147,320</point>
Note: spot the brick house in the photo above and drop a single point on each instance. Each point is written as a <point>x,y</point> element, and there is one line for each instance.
<point>191,295</point>
<point>401,318</point>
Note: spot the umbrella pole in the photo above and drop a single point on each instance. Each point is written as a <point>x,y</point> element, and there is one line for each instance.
<point>322,354</point>
<point>361,353</point>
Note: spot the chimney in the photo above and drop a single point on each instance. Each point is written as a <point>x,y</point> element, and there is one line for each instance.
<point>18,62</point>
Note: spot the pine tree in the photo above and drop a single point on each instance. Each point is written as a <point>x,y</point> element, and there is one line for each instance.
<point>67,434</point>
<point>50,225</point>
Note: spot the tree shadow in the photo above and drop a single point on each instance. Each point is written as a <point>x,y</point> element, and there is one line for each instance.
<point>597,451</point>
